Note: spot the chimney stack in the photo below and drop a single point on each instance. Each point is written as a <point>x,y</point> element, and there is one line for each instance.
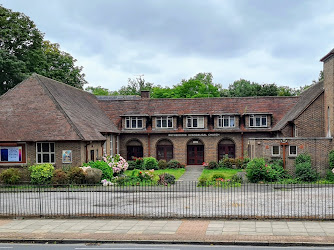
<point>145,94</point>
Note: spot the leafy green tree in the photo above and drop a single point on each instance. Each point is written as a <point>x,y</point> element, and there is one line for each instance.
<point>241,88</point>
<point>135,86</point>
<point>23,52</point>
<point>98,90</point>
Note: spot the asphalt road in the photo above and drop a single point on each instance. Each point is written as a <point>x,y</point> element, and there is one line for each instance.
<point>143,247</point>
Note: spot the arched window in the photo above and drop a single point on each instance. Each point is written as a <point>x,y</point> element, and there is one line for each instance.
<point>226,148</point>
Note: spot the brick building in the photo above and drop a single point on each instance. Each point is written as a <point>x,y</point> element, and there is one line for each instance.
<point>42,120</point>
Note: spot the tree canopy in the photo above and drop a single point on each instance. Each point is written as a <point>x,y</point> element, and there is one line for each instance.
<point>23,52</point>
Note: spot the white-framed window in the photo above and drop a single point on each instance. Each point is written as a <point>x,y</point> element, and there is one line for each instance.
<point>258,121</point>
<point>164,122</point>
<point>275,150</point>
<point>133,122</point>
<point>292,150</point>
<point>195,122</point>
<point>45,152</point>
<point>226,121</point>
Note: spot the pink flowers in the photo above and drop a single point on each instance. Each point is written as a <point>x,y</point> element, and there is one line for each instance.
<point>117,163</point>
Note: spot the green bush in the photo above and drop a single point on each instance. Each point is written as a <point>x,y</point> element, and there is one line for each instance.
<point>59,178</point>
<point>41,173</point>
<point>278,173</point>
<point>236,179</point>
<point>174,164</point>
<point>107,172</point>
<point>132,165</point>
<point>305,172</point>
<point>212,165</point>
<point>162,164</point>
<point>150,163</point>
<point>257,170</point>
<point>139,163</point>
<point>226,163</point>
<point>76,175</point>
<point>203,181</point>
<point>303,158</point>
<point>217,176</point>
<point>166,179</point>
<point>331,159</point>
<point>239,163</point>
<point>330,176</point>
<point>10,176</point>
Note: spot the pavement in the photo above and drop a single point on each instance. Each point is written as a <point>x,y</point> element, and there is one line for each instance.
<point>193,172</point>
<point>228,232</point>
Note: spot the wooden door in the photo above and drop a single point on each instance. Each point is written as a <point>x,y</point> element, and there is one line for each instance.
<point>195,154</point>
<point>134,151</point>
<point>226,149</point>
<point>164,152</point>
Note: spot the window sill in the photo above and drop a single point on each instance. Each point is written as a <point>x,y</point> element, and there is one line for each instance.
<point>292,156</point>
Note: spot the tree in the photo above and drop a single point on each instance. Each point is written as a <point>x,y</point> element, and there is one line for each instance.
<point>23,52</point>
<point>98,90</point>
<point>135,86</point>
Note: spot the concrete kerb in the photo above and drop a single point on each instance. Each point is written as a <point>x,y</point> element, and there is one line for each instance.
<point>166,242</point>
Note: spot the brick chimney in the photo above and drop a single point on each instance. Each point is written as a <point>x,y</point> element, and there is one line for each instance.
<point>145,94</point>
<point>328,70</point>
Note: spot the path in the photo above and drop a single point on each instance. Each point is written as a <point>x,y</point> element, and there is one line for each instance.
<point>192,173</point>
<point>240,232</point>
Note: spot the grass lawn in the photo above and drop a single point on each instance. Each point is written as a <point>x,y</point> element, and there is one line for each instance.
<point>176,172</point>
<point>227,172</point>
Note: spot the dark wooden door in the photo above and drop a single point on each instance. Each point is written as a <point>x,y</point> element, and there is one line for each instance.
<point>226,149</point>
<point>164,152</point>
<point>195,154</point>
<point>134,151</point>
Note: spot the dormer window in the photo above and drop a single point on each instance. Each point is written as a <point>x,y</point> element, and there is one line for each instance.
<point>258,121</point>
<point>133,122</point>
<point>226,121</point>
<point>164,122</point>
<point>195,122</point>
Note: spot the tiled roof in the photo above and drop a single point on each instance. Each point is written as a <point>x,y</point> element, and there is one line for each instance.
<point>329,54</point>
<point>305,99</point>
<point>277,106</point>
<point>43,109</point>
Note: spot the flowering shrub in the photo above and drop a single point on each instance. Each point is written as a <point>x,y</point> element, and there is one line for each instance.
<point>106,183</point>
<point>257,170</point>
<point>146,175</point>
<point>117,163</point>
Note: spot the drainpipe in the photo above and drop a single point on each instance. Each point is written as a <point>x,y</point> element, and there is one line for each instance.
<point>242,145</point>
<point>87,143</point>
<point>283,144</point>
<point>117,145</point>
<point>149,145</point>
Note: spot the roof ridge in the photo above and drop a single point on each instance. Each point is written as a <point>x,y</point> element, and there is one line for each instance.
<point>60,108</point>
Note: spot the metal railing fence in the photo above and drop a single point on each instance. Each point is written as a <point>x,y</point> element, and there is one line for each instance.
<point>181,200</point>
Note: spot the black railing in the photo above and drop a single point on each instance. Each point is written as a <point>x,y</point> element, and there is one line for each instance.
<point>181,200</point>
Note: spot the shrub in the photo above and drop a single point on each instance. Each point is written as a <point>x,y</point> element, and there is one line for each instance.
<point>212,165</point>
<point>239,163</point>
<point>139,163</point>
<point>117,163</point>
<point>76,175</point>
<point>236,179</point>
<point>203,181</point>
<point>216,177</point>
<point>146,175</point>
<point>10,176</point>
<point>150,163</point>
<point>330,176</point>
<point>41,173</point>
<point>305,172</point>
<point>166,179</point>
<point>132,165</point>
<point>257,170</point>
<point>59,177</point>
<point>162,164</point>
<point>93,175</point>
<point>226,163</point>
<point>277,171</point>
<point>174,164</point>
<point>331,159</point>
<point>107,172</point>
<point>303,158</point>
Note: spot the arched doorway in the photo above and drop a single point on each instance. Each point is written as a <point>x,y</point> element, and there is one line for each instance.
<point>134,149</point>
<point>165,150</point>
<point>226,147</point>
<point>195,152</point>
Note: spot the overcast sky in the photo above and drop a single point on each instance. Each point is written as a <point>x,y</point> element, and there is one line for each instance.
<point>169,40</point>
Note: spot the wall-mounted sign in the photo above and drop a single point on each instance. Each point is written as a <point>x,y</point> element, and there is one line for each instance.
<point>67,156</point>
<point>10,154</point>
<point>194,135</point>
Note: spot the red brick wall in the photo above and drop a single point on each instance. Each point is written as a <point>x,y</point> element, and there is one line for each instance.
<point>311,122</point>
